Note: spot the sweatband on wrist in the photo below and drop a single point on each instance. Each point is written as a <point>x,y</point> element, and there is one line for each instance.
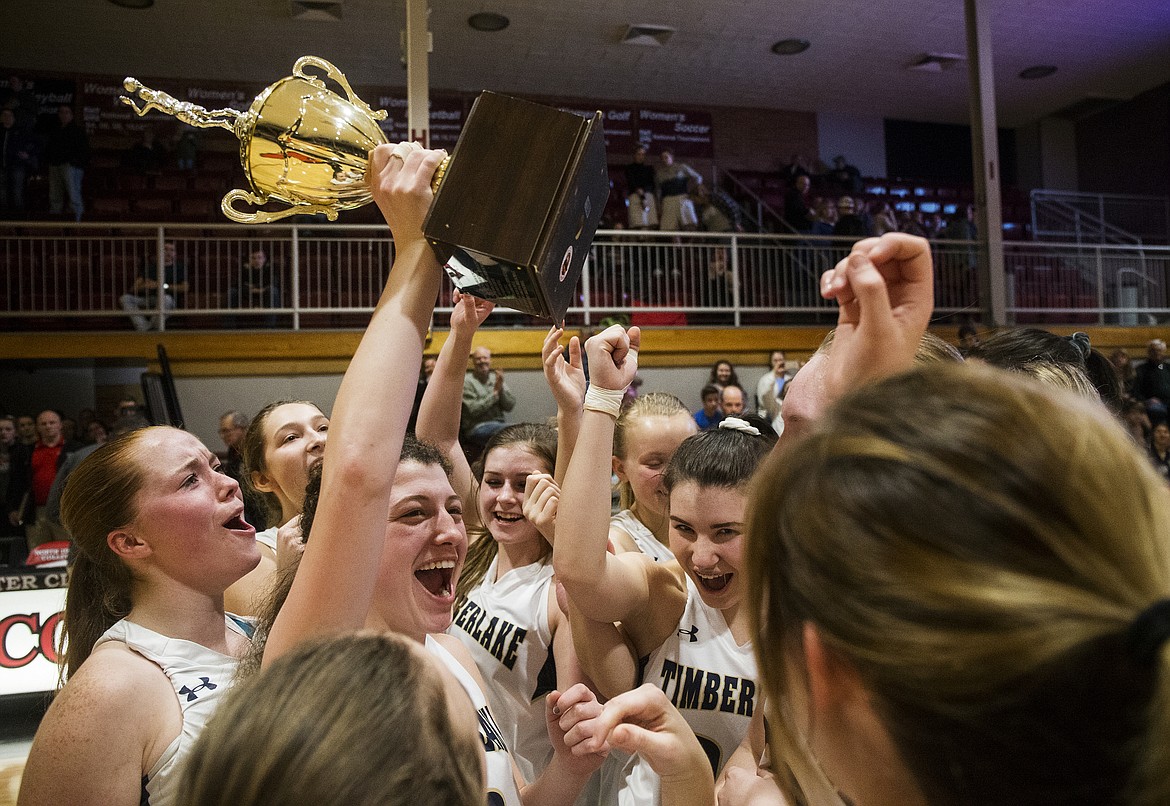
<point>607,401</point>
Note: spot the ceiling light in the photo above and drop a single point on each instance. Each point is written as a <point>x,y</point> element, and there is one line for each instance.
<point>488,21</point>
<point>133,3</point>
<point>647,35</point>
<point>1038,71</point>
<point>936,62</point>
<point>790,47</point>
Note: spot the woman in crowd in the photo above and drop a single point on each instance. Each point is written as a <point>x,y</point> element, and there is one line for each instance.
<point>506,612</point>
<point>159,535</point>
<point>723,374</point>
<point>284,441</point>
<point>683,615</point>
<point>357,754</point>
<point>965,615</point>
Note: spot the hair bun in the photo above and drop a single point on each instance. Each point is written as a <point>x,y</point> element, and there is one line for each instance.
<point>736,424</point>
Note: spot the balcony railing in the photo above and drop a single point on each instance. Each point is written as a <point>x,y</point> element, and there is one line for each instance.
<point>57,277</point>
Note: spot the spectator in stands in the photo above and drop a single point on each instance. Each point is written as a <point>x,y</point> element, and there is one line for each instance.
<point>674,180</point>
<point>718,211</point>
<point>642,202</point>
<point>1152,381</point>
<point>709,416</point>
<point>960,226</point>
<point>17,151</point>
<point>1160,449</point>
<point>146,156</point>
<point>232,427</point>
<point>1125,370</point>
<point>798,212</point>
<point>145,292</point>
<point>69,431</point>
<point>722,374</point>
<point>9,448</point>
<point>845,177</point>
<point>96,433</point>
<point>66,151</point>
<point>22,101</point>
<point>797,166</point>
<point>486,399</point>
<point>719,279</point>
<point>968,338</point>
<point>824,218</point>
<point>884,219</point>
<point>259,286</point>
<point>770,387</point>
<point>912,224</point>
<point>935,226</point>
<point>33,471</point>
<point>849,224</point>
<point>1136,422</point>
<point>731,400</point>
<point>26,429</point>
<point>186,149</point>
<point>126,407</point>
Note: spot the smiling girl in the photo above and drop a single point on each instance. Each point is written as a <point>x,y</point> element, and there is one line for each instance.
<point>683,616</point>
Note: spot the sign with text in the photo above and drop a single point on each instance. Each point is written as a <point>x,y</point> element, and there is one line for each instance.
<point>687,132</point>
<point>30,628</point>
<point>446,118</point>
<point>618,123</point>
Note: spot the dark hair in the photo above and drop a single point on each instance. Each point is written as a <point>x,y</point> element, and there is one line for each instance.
<point>539,438</point>
<point>1012,348</point>
<point>713,378</point>
<point>252,452</point>
<point>719,457</point>
<point>708,390</point>
<point>413,450</point>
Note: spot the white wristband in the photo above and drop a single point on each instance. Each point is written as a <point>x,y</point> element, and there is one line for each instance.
<point>607,401</point>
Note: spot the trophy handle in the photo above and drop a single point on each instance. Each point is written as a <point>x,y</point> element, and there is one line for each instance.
<point>263,216</point>
<point>339,77</point>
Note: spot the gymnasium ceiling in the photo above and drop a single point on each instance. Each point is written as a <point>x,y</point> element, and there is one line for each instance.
<point>719,55</point>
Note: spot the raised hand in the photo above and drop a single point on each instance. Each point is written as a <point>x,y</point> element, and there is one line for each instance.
<point>571,718</point>
<point>885,293</point>
<point>566,379</point>
<point>541,496</point>
<point>469,313</point>
<point>400,181</point>
<point>613,356</point>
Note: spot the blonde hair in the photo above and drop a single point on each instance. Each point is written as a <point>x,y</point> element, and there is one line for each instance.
<point>651,404</point>
<point>977,547</point>
<point>360,718</point>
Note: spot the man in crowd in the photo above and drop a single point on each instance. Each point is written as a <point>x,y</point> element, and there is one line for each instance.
<point>771,385</point>
<point>731,400</point>
<point>232,427</point>
<point>145,292</point>
<point>1153,381</point>
<point>33,470</point>
<point>486,399</point>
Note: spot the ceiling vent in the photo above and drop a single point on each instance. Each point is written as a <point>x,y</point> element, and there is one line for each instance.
<point>653,36</point>
<point>935,62</point>
<point>316,10</point>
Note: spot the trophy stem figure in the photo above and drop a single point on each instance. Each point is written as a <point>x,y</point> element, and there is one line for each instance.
<point>189,113</point>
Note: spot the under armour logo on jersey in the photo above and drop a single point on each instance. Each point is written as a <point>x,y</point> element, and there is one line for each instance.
<point>190,692</point>
<point>693,633</point>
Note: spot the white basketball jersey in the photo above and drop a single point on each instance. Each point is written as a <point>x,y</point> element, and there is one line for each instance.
<point>712,682</point>
<point>645,540</point>
<point>501,783</point>
<point>504,625</point>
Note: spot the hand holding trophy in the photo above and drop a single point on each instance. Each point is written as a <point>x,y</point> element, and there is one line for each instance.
<point>516,204</point>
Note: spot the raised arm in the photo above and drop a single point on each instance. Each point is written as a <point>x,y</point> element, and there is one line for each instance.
<point>441,409</point>
<point>606,587</point>
<point>567,381</point>
<point>335,583</point>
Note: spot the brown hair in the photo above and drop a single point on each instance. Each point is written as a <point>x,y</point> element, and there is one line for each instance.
<point>977,547</point>
<point>252,450</point>
<point>539,438</point>
<point>98,499</point>
<point>320,742</point>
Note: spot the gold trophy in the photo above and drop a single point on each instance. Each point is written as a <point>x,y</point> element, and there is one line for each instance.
<point>300,142</point>
<point>516,204</point>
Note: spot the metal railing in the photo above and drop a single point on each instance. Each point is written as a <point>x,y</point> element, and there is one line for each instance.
<point>57,277</point>
<point>1099,217</point>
